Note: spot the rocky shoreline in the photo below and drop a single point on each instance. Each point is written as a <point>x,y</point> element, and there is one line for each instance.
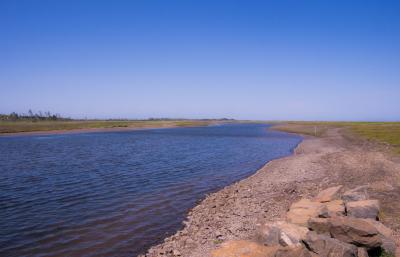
<point>332,224</point>
<point>237,211</point>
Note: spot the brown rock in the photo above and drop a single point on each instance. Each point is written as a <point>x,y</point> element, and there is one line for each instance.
<point>292,234</point>
<point>328,194</point>
<point>305,204</point>
<point>354,231</point>
<point>386,235</point>
<point>241,248</point>
<point>301,211</point>
<point>283,233</point>
<point>325,246</point>
<point>357,194</point>
<point>319,225</point>
<point>366,209</point>
<point>331,209</point>
<point>382,229</point>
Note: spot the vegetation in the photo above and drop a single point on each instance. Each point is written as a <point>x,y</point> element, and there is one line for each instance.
<point>31,116</point>
<point>14,123</point>
<point>383,132</point>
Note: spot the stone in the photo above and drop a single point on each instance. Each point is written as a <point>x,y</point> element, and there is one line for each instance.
<point>296,251</point>
<point>386,235</point>
<point>319,225</point>
<point>328,194</point>
<point>382,229</point>
<point>283,233</point>
<point>300,212</point>
<point>354,231</point>
<point>176,253</point>
<point>268,234</point>
<point>291,234</point>
<point>240,248</point>
<point>305,203</point>
<point>362,252</point>
<point>366,209</point>
<point>325,246</point>
<point>357,194</point>
<point>331,209</point>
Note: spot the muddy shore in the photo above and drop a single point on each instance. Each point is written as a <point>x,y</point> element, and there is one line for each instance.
<point>236,211</point>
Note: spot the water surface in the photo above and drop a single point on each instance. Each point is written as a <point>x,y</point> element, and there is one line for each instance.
<point>117,193</point>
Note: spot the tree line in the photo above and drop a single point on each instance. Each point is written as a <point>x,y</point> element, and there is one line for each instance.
<point>32,116</point>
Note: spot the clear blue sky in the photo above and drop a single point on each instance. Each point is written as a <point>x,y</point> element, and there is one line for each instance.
<point>304,60</point>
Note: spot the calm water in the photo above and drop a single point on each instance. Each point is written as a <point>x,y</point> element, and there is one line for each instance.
<point>117,193</point>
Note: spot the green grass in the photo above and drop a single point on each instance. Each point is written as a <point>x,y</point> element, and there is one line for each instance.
<point>382,132</point>
<point>385,133</point>
<point>305,128</point>
<point>28,126</point>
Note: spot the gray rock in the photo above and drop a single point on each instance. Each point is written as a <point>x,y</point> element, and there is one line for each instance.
<point>357,194</point>
<point>325,246</point>
<point>366,209</point>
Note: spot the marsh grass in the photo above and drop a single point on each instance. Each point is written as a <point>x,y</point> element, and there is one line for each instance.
<point>382,132</point>
<point>29,126</point>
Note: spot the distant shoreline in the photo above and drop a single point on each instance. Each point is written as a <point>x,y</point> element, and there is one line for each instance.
<point>78,131</point>
<point>102,127</point>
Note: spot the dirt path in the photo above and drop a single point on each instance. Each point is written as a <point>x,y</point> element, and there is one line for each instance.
<point>235,211</point>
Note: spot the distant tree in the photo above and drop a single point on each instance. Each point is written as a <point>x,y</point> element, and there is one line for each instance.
<point>13,116</point>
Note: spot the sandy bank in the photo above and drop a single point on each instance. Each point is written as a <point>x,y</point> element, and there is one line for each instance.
<point>236,211</point>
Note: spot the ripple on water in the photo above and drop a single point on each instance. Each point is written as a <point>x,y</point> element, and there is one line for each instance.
<point>113,194</point>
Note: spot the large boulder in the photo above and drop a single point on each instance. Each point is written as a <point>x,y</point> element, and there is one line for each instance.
<point>357,194</point>
<point>328,194</point>
<point>366,209</point>
<point>325,246</point>
<point>354,231</point>
<point>386,235</point>
<point>282,233</point>
<point>331,209</point>
<point>240,248</point>
<point>300,212</point>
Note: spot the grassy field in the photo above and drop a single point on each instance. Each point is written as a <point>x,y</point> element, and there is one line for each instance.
<point>29,126</point>
<point>383,132</point>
